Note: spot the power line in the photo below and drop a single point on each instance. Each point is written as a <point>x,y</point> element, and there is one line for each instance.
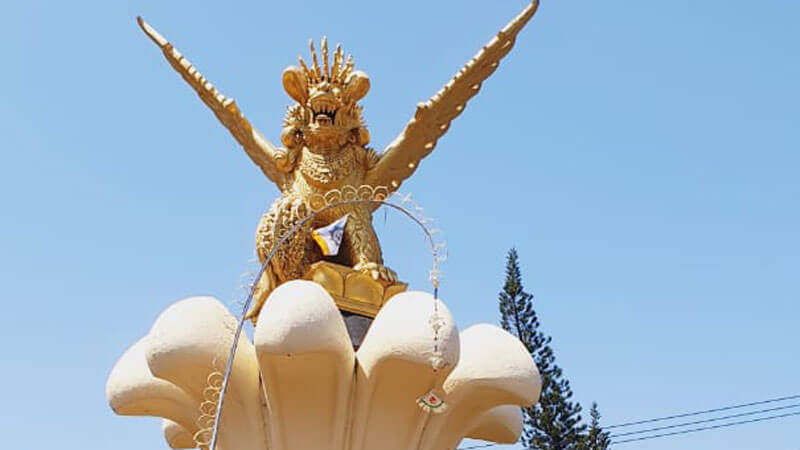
<point>677,416</point>
<point>694,430</point>
<point>715,419</point>
<point>477,446</point>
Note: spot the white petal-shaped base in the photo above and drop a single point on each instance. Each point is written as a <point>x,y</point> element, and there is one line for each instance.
<point>394,370</point>
<point>307,365</point>
<point>502,424</point>
<point>132,390</point>
<point>301,386</point>
<point>176,435</point>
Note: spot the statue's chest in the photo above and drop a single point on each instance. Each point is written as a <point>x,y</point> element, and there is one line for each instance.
<point>329,171</point>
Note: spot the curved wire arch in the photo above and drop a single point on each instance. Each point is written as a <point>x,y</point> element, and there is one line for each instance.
<point>376,202</point>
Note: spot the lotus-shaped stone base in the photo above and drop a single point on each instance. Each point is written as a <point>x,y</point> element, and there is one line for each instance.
<point>300,385</point>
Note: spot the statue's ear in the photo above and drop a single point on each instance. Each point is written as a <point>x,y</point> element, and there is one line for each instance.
<point>294,81</point>
<point>356,86</point>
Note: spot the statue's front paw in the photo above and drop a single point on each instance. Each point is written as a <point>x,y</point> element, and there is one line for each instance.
<point>262,289</point>
<point>377,271</point>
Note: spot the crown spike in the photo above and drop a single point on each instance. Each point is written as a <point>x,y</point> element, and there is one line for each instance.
<point>317,74</point>
<point>337,63</point>
<point>347,68</point>
<point>326,72</point>
<point>303,65</point>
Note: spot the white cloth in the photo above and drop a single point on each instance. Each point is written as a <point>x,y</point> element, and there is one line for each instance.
<point>329,237</point>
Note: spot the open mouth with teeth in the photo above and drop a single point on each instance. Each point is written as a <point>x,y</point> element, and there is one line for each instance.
<point>324,118</point>
<point>324,113</point>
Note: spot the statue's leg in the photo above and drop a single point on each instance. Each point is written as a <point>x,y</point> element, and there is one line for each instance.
<point>362,248</point>
<point>264,241</point>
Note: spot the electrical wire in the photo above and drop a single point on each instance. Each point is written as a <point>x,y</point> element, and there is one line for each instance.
<point>715,419</point>
<point>697,413</point>
<point>694,430</point>
<point>477,446</point>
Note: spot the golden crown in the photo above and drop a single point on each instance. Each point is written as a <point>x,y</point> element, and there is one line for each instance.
<point>335,73</point>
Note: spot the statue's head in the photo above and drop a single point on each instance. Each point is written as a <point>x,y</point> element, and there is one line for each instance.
<point>327,115</point>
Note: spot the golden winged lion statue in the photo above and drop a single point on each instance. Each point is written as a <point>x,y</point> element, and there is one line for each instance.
<point>325,148</point>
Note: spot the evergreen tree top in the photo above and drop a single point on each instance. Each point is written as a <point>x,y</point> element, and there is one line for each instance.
<point>555,422</point>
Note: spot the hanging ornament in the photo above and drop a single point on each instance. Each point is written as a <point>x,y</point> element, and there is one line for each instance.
<point>431,402</point>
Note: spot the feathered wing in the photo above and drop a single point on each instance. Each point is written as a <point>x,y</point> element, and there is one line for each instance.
<point>260,150</point>
<point>432,119</point>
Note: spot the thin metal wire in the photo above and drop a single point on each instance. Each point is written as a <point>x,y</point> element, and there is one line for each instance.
<point>675,433</point>
<point>706,411</point>
<point>713,419</point>
<point>714,427</point>
<point>275,248</point>
<point>478,446</point>
<point>693,423</point>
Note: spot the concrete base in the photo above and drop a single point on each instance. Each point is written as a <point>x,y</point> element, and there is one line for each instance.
<point>301,386</point>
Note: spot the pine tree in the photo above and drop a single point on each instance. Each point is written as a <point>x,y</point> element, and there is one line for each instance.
<point>555,422</point>
<point>596,438</point>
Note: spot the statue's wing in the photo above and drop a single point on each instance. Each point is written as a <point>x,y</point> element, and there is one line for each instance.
<point>432,118</point>
<point>260,150</point>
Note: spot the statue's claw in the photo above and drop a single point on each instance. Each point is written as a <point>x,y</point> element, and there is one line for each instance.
<point>377,271</point>
<point>253,312</point>
<point>262,289</point>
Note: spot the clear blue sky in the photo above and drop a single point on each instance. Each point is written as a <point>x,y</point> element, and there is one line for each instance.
<point>641,155</point>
